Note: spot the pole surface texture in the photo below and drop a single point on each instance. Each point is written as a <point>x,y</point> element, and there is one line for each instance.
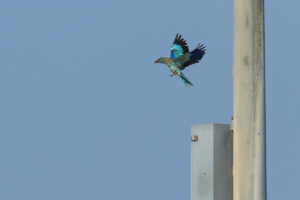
<point>249,154</point>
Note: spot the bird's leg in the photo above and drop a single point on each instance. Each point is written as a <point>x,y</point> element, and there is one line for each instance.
<point>173,73</point>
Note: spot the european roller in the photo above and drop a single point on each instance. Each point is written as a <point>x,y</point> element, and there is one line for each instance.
<point>181,57</point>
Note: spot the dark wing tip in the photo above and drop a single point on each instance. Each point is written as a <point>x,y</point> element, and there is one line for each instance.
<point>180,41</point>
<point>196,55</point>
<point>201,47</point>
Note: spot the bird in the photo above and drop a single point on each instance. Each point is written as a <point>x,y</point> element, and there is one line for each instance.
<point>181,57</point>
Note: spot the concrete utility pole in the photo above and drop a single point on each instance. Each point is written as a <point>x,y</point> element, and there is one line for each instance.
<point>210,149</point>
<point>249,157</point>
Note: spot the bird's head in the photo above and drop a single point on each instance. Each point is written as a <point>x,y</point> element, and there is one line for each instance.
<point>161,60</point>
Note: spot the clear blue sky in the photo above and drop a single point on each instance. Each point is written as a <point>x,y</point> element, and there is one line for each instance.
<point>85,114</point>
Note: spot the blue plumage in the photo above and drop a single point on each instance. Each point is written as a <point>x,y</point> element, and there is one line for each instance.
<point>176,51</point>
<point>179,47</point>
<point>181,58</point>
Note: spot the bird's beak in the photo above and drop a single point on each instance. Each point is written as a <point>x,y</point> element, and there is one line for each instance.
<point>156,61</point>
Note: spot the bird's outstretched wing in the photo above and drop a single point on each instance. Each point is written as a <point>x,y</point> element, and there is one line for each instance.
<point>191,57</point>
<point>179,47</point>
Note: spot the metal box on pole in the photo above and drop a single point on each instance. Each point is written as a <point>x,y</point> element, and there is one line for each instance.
<point>211,162</point>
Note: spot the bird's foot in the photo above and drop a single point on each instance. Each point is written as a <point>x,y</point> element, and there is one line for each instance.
<point>173,74</point>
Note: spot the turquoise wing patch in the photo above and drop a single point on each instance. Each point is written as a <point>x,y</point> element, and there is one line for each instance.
<point>176,51</point>
<point>179,47</point>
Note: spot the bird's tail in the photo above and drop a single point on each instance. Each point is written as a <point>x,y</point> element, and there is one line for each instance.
<point>185,80</point>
